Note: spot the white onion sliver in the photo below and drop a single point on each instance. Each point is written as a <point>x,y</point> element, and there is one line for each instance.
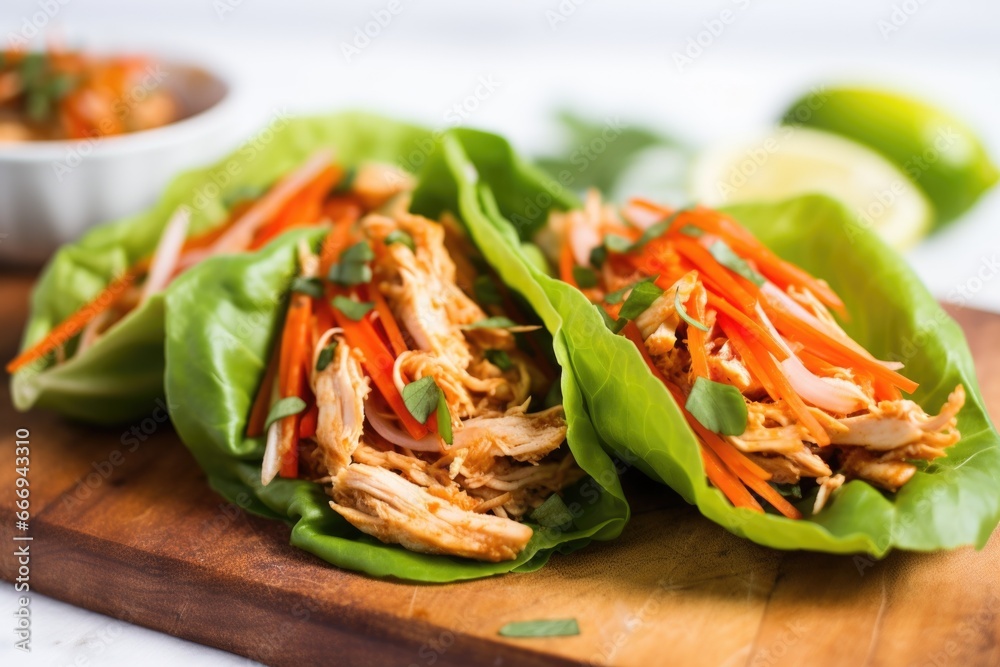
<point>777,297</point>
<point>814,390</point>
<point>168,250</point>
<point>810,387</point>
<point>399,437</point>
<point>269,467</point>
<point>238,236</point>
<point>583,239</point>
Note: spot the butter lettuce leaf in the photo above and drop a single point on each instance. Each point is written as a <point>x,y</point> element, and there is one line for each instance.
<point>224,316</point>
<point>120,377</point>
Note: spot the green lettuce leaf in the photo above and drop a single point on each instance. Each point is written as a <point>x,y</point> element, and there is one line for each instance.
<point>223,318</point>
<point>952,501</point>
<point>119,378</point>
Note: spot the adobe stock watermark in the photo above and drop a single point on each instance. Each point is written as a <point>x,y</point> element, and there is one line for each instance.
<point>711,30</point>
<point>562,12</point>
<point>366,33</point>
<point>131,440</point>
<point>225,7</point>
<point>899,16</point>
<point>35,24</point>
<point>120,111</point>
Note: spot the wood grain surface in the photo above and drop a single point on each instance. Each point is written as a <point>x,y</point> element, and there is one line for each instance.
<point>130,528</point>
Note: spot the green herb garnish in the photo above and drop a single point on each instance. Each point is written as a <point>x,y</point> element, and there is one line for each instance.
<point>585,278</point>
<point>560,627</point>
<point>724,255</point>
<point>311,286</point>
<point>352,268</point>
<point>286,407</point>
<point>422,398</point>
<point>639,299</point>
<point>679,307</point>
<point>325,356</point>
<point>443,418</point>
<point>399,236</point>
<point>499,358</point>
<point>718,407</point>
<point>487,293</point>
<point>354,310</point>
<point>552,513</point>
<point>491,323</point>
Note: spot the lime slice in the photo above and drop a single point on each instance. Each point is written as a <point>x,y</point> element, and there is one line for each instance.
<point>937,151</point>
<point>794,161</point>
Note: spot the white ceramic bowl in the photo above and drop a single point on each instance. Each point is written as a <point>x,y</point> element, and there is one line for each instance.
<point>53,191</point>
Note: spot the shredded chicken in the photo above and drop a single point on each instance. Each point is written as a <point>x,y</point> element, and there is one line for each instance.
<point>465,499</point>
<point>824,422</point>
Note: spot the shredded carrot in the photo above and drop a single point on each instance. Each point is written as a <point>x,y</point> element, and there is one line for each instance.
<point>734,334</point>
<point>752,328</point>
<point>262,402</point>
<point>295,345</point>
<point>307,425</point>
<point>241,233</point>
<point>74,324</point>
<point>631,331</point>
<point>709,266</point>
<point>305,208</point>
<point>726,481</point>
<point>696,338</point>
<point>388,321</point>
<point>774,268</point>
<point>343,208</point>
<point>835,351</point>
<point>379,362</point>
<point>334,244</point>
<point>566,263</point>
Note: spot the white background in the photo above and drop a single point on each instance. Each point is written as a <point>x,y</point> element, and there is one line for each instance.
<point>606,59</point>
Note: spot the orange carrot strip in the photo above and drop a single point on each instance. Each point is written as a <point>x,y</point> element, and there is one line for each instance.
<point>74,324</point>
<point>734,334</point>
<point>768,493</point>
<point>696,338</point>
<point>389,324</point>
<point>774,268</point>
<point>834,351</point>
<point>303,209</point>
<point>566,264</point>
<point>241,233</point>
<point>708,265</point>
<point>295,344</point>
<point>262,402</point>
<point>379,362</point>
<point>631,331</point>
<point>726,481</point>
<point>307,426</point>
<point>753,329</point>
<point>334,244</point>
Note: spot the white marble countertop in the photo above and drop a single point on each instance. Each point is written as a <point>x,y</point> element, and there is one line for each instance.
<point>605,58</point>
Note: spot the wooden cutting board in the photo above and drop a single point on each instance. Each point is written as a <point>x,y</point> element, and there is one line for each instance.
<point>133,531</point>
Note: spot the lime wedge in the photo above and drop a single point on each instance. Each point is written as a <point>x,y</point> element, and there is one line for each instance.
<point>794,161</point>
<point>939,153</point>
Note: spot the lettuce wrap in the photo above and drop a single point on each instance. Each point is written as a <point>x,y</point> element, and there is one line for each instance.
<point>953,501</point>
<point>118,378</point>
<point>224,318</point>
